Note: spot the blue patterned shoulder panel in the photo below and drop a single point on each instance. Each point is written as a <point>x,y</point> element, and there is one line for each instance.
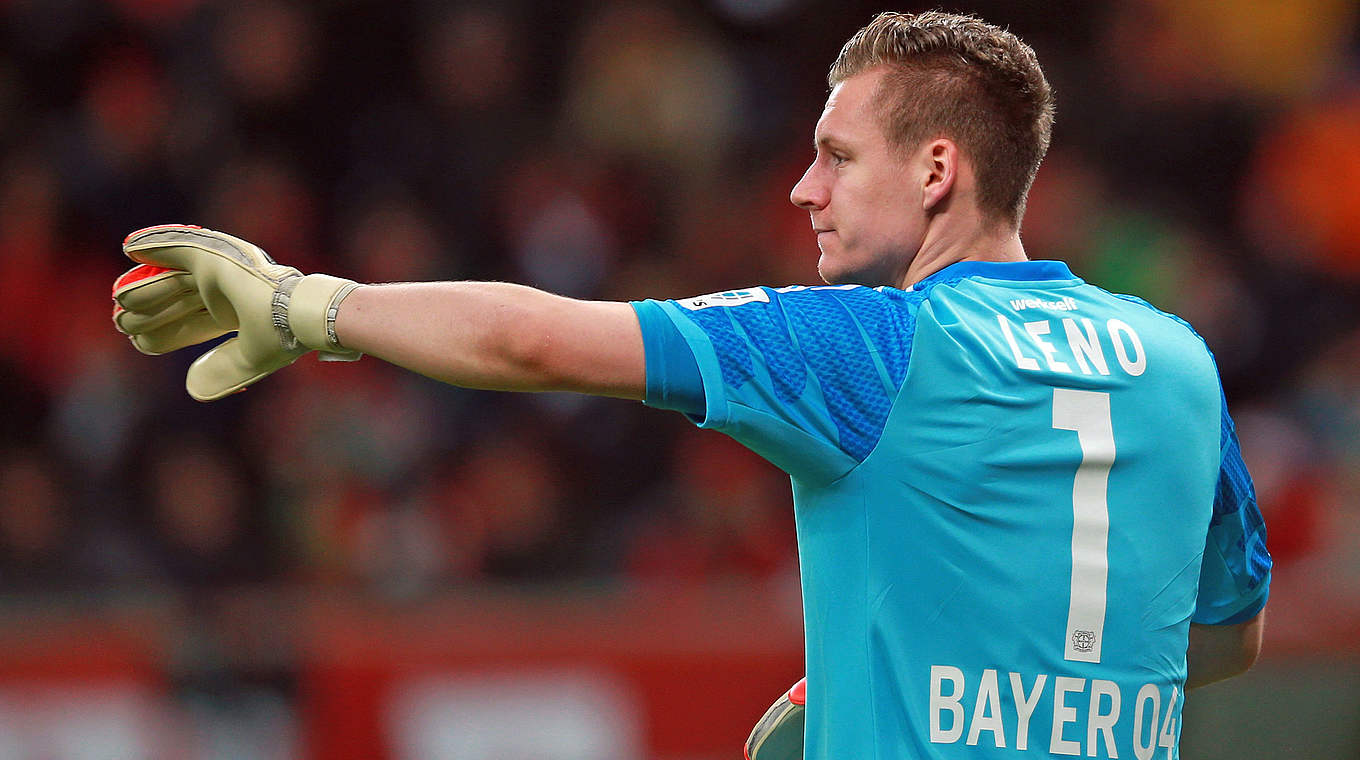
<point>843,349</point>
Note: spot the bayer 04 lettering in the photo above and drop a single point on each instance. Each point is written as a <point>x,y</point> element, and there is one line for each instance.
<point>1095,716</point>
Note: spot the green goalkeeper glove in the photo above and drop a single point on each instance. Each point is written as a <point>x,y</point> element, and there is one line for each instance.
<point>196,284</point>
<point>778,734</point>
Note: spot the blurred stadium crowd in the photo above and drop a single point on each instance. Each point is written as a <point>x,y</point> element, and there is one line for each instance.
<point>1207,161</point>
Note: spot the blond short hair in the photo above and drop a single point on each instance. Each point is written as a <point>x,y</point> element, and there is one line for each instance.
<point>959,77</point>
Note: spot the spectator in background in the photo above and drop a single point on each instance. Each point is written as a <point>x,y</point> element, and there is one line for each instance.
<point>647,86</point>
<point>725,516</point>
<point>1307,169</point>
<point>38,541</point>
<point>200,510</point>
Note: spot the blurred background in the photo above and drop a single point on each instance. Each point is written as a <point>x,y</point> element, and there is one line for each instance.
<point>348,561</point>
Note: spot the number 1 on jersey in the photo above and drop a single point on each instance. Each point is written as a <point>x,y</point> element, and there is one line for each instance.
<point>1088,414</point>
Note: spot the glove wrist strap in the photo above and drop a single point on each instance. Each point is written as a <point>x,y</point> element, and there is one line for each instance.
<point>310,309</point>
<point>336,353</point>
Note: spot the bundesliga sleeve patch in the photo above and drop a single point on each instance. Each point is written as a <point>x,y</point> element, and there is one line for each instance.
<point>725,298</point>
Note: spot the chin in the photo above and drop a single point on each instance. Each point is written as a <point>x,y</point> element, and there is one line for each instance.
<point>876,272</point>
<point>828,275</point>
<point>833,275</point>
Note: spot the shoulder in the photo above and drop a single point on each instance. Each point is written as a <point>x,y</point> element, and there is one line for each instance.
<point>810,310</point>
<point>1173,342</point>
<point>830,329</point>
<point>1170,324</point>
<point>801,297</point>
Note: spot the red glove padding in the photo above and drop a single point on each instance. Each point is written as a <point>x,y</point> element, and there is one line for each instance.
<point>160,310</point>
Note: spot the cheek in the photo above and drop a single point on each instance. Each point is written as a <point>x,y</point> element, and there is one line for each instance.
<point>897,214</point>
<point>879,223</point>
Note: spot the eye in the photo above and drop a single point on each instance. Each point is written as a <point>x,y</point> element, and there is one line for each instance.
<point>837,159</point>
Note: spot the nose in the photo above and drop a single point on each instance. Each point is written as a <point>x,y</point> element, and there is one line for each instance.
<point>810,193</point>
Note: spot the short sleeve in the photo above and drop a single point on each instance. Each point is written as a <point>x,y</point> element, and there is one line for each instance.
<point>1235,575</point>
<point>673,379</point>
<point>803,376</point>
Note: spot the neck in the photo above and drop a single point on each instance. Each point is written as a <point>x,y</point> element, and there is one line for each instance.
<point>947,244</point>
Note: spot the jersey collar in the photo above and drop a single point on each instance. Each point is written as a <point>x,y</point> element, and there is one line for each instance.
<point>1024,271</point>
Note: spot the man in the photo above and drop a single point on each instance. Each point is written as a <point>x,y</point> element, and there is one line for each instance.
<point>1019,498</point>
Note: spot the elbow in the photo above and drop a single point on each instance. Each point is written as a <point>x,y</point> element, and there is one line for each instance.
<point>525,353</point>
<point>1250,649</point>
<point>1220,652</point>
<point>1240,661</point>
<point>554,343</point>
<point>530,362</point>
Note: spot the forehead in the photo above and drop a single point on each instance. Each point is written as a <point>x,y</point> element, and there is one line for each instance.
<point>851,110</point>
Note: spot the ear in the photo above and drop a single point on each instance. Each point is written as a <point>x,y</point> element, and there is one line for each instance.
<point>940,161</point>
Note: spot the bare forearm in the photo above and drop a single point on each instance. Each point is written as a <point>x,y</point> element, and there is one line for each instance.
<point>1219,652</point>
<point>497,336</point>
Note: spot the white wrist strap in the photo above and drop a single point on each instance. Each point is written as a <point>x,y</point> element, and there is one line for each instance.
<point>311,309</point>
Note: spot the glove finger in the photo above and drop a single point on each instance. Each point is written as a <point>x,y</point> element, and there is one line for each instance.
<point>177,245</point>
<point>225,370</point>
<point>187,331</point>
<point>137,322</point>
<point>146,288</point>
<point>234,277</point>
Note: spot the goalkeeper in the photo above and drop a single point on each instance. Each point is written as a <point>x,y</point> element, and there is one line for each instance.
<point>1024,523</point>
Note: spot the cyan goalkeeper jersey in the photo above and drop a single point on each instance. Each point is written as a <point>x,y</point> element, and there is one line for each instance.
<point>1014,491</point>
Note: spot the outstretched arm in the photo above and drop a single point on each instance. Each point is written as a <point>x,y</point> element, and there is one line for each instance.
<point>1218,652</point>
<point>193,285</point>
<point>498,336</point>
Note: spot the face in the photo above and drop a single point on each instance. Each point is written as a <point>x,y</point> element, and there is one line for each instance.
<point>866,209</point>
